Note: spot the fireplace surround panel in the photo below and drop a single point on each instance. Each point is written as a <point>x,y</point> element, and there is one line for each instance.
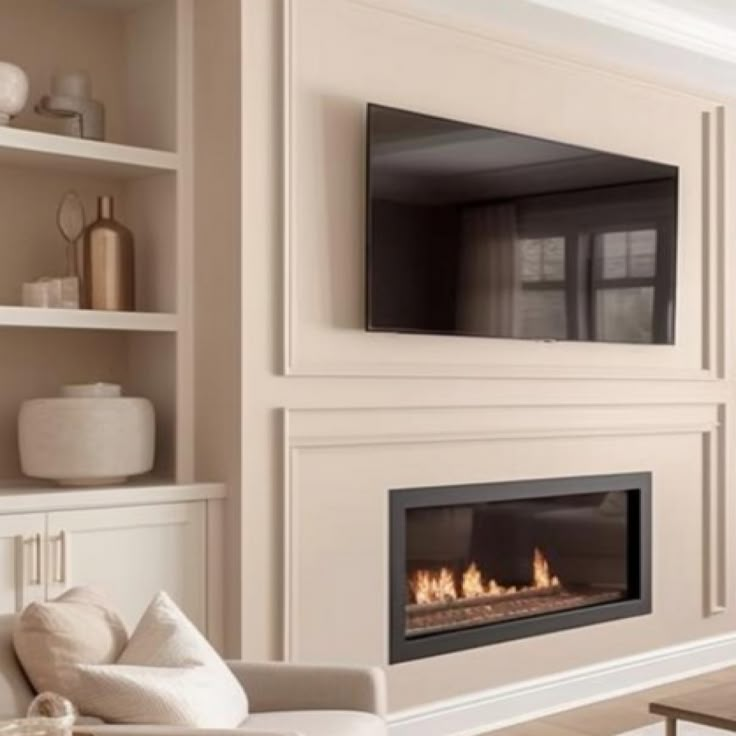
<point>477,564</point>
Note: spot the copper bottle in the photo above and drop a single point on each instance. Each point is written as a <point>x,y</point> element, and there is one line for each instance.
<point>108,271</point>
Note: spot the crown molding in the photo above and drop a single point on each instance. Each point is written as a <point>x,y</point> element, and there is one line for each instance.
<point>655,20</point>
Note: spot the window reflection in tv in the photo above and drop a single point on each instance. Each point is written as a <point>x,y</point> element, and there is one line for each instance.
<point>482,232</point>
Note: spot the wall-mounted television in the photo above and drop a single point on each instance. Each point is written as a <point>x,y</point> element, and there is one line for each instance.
<point>483,232</point>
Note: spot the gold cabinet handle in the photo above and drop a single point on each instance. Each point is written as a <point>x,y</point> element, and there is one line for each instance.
<point>34,543</point>
<point>61,577</point>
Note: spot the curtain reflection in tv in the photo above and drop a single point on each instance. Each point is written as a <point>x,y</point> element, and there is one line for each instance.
<point>527,269</point>
<point>488,301</point>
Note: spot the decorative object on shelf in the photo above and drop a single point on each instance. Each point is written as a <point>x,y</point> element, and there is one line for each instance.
<point>91,390</point>
<point>13,91</point>
<point>108,268</point>
<point>64,292</point>
<point>90,435</point>
<point>71,101</point>
<point>56,293</point>
<point>71,221</point>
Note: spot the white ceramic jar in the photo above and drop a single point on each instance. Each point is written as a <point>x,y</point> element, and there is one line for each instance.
<point>88,436</point>
<point>13,91</point>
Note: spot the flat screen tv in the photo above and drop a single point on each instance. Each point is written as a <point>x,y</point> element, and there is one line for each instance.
<point>483,232</point>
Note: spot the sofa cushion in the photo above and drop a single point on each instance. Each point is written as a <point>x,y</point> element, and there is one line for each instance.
<point>52,638</point>
<point>316,723</point>
<point>168,674</point>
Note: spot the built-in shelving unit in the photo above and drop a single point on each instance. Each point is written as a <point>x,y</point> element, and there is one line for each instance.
<point>144,58</point>
<point>139,56</point>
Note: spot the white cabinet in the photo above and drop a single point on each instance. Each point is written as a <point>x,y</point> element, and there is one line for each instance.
<point>131,554</point>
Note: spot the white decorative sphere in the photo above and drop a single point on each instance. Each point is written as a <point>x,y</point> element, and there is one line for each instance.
<point>86,440</point>
<point>13,91</point>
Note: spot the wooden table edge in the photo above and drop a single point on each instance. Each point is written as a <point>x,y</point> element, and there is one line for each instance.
<point>682,714</point>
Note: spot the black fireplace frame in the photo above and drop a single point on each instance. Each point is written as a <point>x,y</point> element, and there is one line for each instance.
<point>638,487</point>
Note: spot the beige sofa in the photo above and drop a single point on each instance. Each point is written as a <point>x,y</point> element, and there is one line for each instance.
<point>285,699</point>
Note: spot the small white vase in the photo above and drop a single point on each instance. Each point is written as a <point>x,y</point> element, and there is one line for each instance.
<point>13,91</point>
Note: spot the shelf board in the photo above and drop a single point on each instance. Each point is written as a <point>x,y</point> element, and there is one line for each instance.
<point>30,148</point>
<point>27,496</point>
<point>87,319</point>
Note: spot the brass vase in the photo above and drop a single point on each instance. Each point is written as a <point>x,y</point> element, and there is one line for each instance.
<point>108,269</point>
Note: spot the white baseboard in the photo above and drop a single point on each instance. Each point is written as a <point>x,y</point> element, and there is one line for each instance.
<point>483,711</point>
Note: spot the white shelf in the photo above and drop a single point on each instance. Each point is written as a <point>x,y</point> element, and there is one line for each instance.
<point>30,148</point>
<point>87,319</point>
<point>27,496</point>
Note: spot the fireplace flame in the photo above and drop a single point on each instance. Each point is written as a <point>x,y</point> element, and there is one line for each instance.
<point>543,577</point>
<point>429,586</point>
<point>440,586</point>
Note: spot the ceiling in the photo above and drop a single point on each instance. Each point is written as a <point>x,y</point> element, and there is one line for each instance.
<point>687,43</point>
<point>718,12</point>
<point>703,26</point>
<point>721,12</point>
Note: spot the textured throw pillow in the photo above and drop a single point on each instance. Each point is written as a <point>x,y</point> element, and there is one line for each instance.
<point>52,638</point>
<point>168,674</point>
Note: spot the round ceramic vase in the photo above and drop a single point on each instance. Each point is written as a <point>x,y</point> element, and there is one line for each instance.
<point>13,91</point>
<point>86,440</point>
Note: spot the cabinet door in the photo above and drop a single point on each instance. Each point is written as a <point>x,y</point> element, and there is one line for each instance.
<point>21,560</point>
<point>130,554</point>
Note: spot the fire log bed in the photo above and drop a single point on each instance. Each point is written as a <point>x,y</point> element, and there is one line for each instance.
<point>430,618</point>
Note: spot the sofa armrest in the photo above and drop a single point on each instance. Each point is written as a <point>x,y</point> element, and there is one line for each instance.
<point>274,686</point>
<point>125,730</point>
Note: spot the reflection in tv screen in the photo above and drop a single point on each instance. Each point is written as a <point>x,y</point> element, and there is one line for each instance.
<point>481,232</point>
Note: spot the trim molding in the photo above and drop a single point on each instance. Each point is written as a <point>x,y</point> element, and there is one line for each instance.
<point>716,564</point>
<point>288,256</point>
<point>308,428</point>
<point>500,707</point>
<point>656,20</point>
<point>714,241</point>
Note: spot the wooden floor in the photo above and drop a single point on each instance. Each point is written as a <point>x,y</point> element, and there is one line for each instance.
<point>610,717</point>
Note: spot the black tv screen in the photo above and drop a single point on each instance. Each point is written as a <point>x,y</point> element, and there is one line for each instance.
<point>484,232</point>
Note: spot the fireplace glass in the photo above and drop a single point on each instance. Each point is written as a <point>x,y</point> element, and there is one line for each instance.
<point>476,564</point>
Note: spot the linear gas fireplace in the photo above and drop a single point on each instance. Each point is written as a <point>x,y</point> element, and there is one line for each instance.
<point>477,564</point>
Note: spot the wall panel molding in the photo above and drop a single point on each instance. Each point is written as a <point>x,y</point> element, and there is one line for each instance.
<point>716,505</point>
<point>390,425</point>
<point>715,274</point>
<point>307,430</point>
<point>561,361</point>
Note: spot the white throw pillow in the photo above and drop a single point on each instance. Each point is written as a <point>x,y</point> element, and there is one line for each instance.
<point>168,674</point>
<point>166,696</point>
<point>52,638</point>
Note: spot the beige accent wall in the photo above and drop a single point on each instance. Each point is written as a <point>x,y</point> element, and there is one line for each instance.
<point>217,198</point>
<point>333,416</point>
